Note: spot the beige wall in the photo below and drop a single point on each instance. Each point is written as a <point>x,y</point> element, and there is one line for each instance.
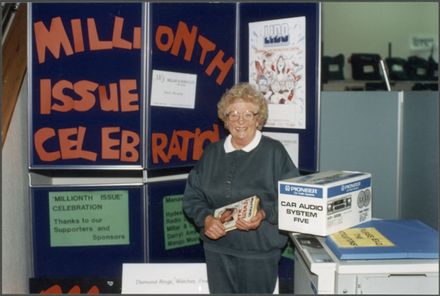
<point>368,27</point>
<point>16,245</point>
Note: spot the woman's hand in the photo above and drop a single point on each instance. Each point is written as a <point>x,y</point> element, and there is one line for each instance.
<point>252,224</point>
<point>214,229</point>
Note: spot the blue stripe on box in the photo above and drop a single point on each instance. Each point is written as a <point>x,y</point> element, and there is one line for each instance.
<point>349,187</point>
<point>297,190</point>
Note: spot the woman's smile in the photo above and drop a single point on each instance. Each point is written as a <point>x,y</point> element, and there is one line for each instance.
<point>242,123</point>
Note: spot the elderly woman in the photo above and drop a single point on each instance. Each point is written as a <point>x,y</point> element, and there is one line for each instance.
<point>243,164</point>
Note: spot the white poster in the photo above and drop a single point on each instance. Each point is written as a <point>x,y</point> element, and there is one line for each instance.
<point>173,89</point>
<point>277,63</point>
<point>164,278</point>
<point>423,42</point>
<point>289,141</point>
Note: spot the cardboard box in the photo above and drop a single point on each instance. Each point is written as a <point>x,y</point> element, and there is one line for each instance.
<point>325,202</point>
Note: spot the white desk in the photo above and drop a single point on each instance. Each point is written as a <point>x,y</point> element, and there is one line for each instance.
<point>319,271</point>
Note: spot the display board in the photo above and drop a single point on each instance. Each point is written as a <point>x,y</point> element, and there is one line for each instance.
<point>82,231</point>
<point>192,64</point>
<point>280,54</point>
<point>135,86</point>
<point>172,237</point>
<point>85,82</point>
<point>90,73</point>
<point>85,285</point>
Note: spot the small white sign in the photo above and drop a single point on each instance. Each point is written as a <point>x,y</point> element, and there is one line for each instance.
<point>164,278</point>
<point>290,141</point>
<point>172,89</point>
<point>423,42</point>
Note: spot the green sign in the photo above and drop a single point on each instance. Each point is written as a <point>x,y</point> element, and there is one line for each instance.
<point>288,251</point>
<point>88,218</point>
<point>178,231</point>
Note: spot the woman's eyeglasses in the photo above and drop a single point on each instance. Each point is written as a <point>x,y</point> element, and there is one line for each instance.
<point>235,115</point>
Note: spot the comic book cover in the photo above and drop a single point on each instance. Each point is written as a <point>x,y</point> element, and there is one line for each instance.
<point>245,208</point>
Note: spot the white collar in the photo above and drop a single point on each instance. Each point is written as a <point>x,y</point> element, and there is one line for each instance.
<point>249,147</point>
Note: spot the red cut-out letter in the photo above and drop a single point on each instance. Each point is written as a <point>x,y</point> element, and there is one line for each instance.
<point>137,37</point>
<point>71,149</point>
<point>41,136</point>
<point>94,42</point>
<point>159,142</point>
<point>174,148</point>
<point>207,46</point>
<point>224,67</point>
<point>127,98</point>
<point>78,40</point>
<point>93,290</point>
<point>117,34</point>
<point>108,103</point>
<point>45,96</point>
<point>58,93</point>
<point>168,33</point>
<point>212,136</point>
<point>107,143</point>
<point>74,290</point>
<point>186,136</point>
<point>51,39</point>
<point>84,89</point>
<point>55,289</point>
<point>129,142</point>
<point>188,38</point>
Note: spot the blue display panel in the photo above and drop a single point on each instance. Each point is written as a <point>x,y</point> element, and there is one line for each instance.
<point>172,238</point>
<point>86,96</point>
<point>87,230</point>
<point>258,12</point>
<point>193,62</point>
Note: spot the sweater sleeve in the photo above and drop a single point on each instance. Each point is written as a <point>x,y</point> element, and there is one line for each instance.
<point>194,204</point>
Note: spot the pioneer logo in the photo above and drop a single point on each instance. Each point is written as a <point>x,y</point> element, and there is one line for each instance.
<point>296,189</point>
<point>350,187</point>
<point>301,190</point>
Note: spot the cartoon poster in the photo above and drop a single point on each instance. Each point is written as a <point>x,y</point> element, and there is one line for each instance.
<point>277,67</point>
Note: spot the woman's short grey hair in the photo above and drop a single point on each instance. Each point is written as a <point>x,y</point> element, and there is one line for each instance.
<point>248,93</point>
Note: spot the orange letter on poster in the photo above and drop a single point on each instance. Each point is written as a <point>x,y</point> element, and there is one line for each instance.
<point>128,148</point>
<point>200,138</point>
<point>41,136</point>
<point>188,38</point>
<point>117,33</point>
<point>51,39</point>
<point>168,33</point>
<point>159,142</point>
<point>224,67</point>
<point>72,149</point>
<point>107,143</point>
<point>127,151</point>
<point>128,98</point>
<point>94,42</point>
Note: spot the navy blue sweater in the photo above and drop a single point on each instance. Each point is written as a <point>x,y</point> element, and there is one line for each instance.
<point>220,178</point>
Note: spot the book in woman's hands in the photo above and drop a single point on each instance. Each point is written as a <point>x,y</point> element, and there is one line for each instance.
<point>245,209</point>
